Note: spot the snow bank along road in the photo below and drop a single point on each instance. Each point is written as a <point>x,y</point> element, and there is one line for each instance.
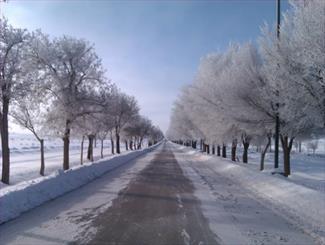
<point>163,197</point>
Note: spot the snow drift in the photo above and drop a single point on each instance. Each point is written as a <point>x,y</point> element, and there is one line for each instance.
<point>29,194</point>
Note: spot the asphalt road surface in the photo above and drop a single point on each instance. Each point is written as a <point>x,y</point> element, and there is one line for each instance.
<point>158,207</point>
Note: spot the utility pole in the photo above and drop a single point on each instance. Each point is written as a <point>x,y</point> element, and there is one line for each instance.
<point>277,119</point>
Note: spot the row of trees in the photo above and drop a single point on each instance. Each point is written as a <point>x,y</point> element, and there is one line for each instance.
<point>58,87</point>
<point>238,94</point>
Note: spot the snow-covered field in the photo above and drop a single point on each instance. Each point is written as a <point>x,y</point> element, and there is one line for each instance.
<point>307,169</point>
<point>294,199</point>
<point>25,156</point>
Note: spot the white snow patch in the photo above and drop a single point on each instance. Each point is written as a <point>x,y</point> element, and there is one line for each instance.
<point>302,205</point>
<point>25,156</point>
<point>221,223</point>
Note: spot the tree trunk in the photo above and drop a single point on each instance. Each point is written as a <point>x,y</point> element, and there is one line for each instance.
<point>286,147</point>
<point>276,141</point>
<point>218,150</point>
<point>42,169</point>
<point>82,150</point>
<point>224,152</point>
<point>90,155</point>
<point>263,152</point>
<point>140,143</point>
<point>233,150</point>
<point>131,145</point>
<point>112,146</point>
<point>101,148</point>
<point>246,141</point>
<point>245,153</point>
<point>126,145</point>
<point>299,146</point>
<point>5,142</point>
<point>117,134</point>
<point>66,143</point>
<point>95,141</point>
<point>208,149</point>
<point>201,144</point>
<point>213,150</point>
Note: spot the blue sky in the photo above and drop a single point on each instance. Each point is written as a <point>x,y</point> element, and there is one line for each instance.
<point>149,48</point>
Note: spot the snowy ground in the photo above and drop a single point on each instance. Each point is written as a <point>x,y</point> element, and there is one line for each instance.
<point>307,169</point>
<point>25,156</point>
<point>300,205</point>
<point>241,206</point>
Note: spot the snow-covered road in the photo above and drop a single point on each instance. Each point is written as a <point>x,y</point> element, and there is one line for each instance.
<point>236,215</point>
<point>198,200</point>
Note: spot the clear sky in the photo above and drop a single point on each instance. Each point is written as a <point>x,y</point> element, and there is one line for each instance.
<point>149,48</point>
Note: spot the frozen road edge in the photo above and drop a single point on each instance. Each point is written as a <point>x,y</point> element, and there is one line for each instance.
<point>27,195</point>
<point>301,206</point>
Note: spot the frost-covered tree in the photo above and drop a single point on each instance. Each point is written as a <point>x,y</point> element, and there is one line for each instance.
<point>239,94</point>
<point>124,108</point>
<point>139,129</point>
<point>73,70</point>
<point>155,135</point>
<point>226,101</point>
<point>104,120</point>
<point>12,42</point>
<point>227,88</point>
<point>313,145</point>
<point>182,127</point>
<point>302,48</point>
<point>295,66</point>
<point>29,111</point>
<point>86,126</point>
<point>98,122</point>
